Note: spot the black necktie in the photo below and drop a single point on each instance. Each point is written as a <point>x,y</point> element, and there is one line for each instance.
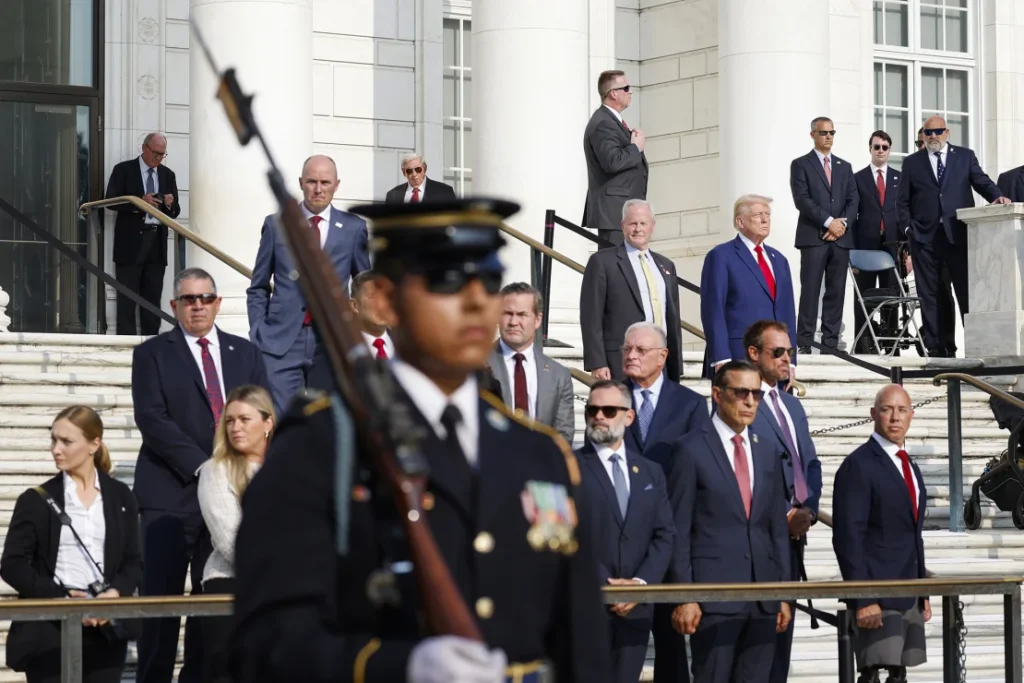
<point>450,420</point>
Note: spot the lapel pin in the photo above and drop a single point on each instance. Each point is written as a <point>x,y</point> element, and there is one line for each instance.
<point>231,348</point>
<point>338,225</point>
<point>497,420</point>
<point>636,470</point>
<point>753,437</point>
<point>547,368</point>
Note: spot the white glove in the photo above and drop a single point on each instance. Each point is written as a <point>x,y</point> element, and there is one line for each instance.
<point>450,659</point>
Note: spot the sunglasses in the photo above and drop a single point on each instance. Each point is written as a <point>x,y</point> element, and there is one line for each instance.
<point>824,133</point>
<point>780,351</point>
<point>741,393</point>
<point>190,299</point>
<point>624,88</point>
<point>417,170</point>
<point>934,131</point>
<point>608,411</point>
<point>451,281</point>
<point>883,148</point>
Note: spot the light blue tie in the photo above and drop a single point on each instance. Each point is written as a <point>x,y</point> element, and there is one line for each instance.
<point>619,482</point>
<point>150,185</point>
<point>646,414</point>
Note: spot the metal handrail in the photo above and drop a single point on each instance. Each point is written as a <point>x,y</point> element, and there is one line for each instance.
<point>566,261</point>
<point>173,225</point>
<point>980,384</point>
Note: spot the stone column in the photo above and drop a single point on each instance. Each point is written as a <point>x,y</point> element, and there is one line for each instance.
<point>994,329</point>
<point>269,44</point>
<point>531,80</point>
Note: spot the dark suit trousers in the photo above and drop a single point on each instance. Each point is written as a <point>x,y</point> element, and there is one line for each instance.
<point>614,236</point>
<point>938,314</point>
<point>614,359</point>
<point>216,636</point>
<point>147,281</point>
<point>947,310</point>
<point>629,639</point>
<point>784,640</point>
<point>171,542</point>
<point>734,648</point>
<point>102,661</point>
<point>890,314</point>
<point>670,663</point>
<point>831,262</point>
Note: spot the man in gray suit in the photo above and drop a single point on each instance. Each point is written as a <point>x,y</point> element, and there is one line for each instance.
<point>530,381</point>
<point>279,323</point>
<point>616,164</point>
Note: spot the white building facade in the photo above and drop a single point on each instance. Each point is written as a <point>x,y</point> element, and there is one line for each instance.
<point>496,95</point>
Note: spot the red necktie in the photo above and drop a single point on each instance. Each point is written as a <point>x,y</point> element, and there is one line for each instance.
<point>415,196</point>
<point>880,184</point>
<point>739,459</point>
<point>522,400</point>
<point>908,478</point>
<point>379,345</point>
<point>626,126</point>
<point>314,223</point>
<point>212,381</point>
<point>765,270</point>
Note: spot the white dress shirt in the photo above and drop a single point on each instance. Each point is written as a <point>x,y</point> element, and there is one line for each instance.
<point>605,454</point>
<point>725,433</point>
<point>325,224</point>
<point>635,255</point>
<point>655,389</point>
<point>768,391</point>
<point>529,367</point>
<point>408,191</point>
<point>197,353</point>
<point>73,568</point>
<point>431,402</point>
<point>389,346</point>
<point>145,169</point>
<point>891,450</point>
<point>832,170</point>
<point>222,514</point>
<point>934,162</point>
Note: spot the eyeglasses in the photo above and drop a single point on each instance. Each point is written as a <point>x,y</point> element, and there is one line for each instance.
<point>883,148</point>
<point>417,170</point>
<point>205,299</point>
<point>158,155</point>
<point>780,351</point>
<point>741,393</point>
<point>928,132</point>
<point>823,133</point>
<point>452,280</point>
<point>608,411</point>
<point>642,350</point>
<point>919,143</point>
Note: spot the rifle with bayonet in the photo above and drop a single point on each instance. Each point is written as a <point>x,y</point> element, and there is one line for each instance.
<point>385,427</point>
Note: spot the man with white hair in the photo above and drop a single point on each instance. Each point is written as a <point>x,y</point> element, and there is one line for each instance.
<point>628,284</point>
<point>743,281</point>
<point>418,187</point>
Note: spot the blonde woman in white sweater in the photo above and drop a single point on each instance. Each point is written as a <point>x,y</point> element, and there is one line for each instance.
<point>239,446</point>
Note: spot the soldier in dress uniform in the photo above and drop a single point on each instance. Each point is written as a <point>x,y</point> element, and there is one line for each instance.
<point>311,606</point>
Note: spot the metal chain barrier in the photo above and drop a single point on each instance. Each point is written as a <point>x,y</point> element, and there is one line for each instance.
<point>858,423</point>
<point>960,628</point>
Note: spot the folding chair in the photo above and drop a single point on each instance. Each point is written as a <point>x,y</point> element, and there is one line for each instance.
<point>883,300</point>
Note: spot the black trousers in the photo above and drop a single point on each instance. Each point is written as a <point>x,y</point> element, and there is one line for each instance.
<point>629,647</point>
<point>172,543</point>
<point>937,311</point>
<point>866,281</point>
<point>670,664</point>
<point>734,648</point>
<point>146,280</point>
<point>831,262</point>
<point>216,634</point>
<point>102,661</point>
<point>614,236</point>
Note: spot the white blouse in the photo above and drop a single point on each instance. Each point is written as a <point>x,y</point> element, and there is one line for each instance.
<point>222,513</point>
<point>74,569</point>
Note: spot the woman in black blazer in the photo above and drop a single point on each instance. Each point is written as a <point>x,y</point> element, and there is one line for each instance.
<point>42,558</point>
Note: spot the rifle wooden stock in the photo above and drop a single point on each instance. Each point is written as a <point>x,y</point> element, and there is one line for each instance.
<point>368,389</point>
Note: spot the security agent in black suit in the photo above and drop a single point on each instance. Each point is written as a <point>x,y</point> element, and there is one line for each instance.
<point>628,503</point>
<point>877,227</point>
<point>937,181</point>
<point>617,292</point>
<point>1011,184</point>
<point>419,187</point>
<point>616,164</point>
<point>303,609</point>
<point>825,193</point>
<point>140,241</point>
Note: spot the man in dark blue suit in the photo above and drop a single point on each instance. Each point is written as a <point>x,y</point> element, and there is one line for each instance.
<point>279,322</point>
<point>665,411</point>
<point>179,382</point>
<point>744,280</point>
<point>877,227</point>
<point>937,181</point>
<point>1011,184</point>
<point>825,193</point>
<point>767,348</point>
<point>633,530</point>
<point>729,497</point>
<point>878,515</point>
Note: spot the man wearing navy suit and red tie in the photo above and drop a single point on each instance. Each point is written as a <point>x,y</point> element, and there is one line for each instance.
<point>743,281</point>
<point>877,226</point>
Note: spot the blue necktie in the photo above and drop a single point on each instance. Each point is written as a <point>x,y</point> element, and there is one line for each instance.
<point>940,169</point>
<point>150,185</point>
<point>619,482</point>
<point>646,414</point>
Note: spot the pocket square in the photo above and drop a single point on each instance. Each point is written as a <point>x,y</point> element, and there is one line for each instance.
<point>649,487</point>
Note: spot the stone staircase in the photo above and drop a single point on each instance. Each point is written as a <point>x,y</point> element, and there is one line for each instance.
<point>40,374</point>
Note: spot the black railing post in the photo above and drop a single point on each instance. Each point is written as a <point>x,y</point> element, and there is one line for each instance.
<point>896,374</point>
<point>1012,636</point>
<point>847,670</point>
<point>549,242</point>
<point>956,470</point>
<point>950,650</point>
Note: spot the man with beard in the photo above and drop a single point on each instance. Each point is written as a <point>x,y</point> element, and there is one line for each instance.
<point>628,506</point>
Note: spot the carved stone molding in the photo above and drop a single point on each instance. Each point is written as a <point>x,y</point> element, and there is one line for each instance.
<point>149,30</point>
<point>148,87</point>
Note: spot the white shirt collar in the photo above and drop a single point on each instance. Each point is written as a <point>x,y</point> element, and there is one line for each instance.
<point>69,485</point>
<point>617,114</point>
<point>211,335</point>
<point>431,401</point>
<point>630,249</point>
<point>146,167</point>
<point>768,389</point>
<point>507,351</point>
<point>749,243</point>
<point>821,157</point>
<point>604,452</point>
<point>726,432</point>
<point>942,150</point>
<point>884,168</point>
<point>888,446</point>
<point>325,214</point>
<point>655,388</point>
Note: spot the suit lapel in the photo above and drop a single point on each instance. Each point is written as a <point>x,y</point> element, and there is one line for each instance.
<point>665,411</point>
<point>112,515</point>
<point>593,461</point>
<point>638,480</point>
<point>229,363</point>
<point>55,487</point>
<point>627,272</point>
<point>812,159</point>
<point>769,415</point>
<point>755,270</point>
<point>188,361</point>
<point>891,187</point>
<point>136,178</point>
<point>896,477</point>
<point>501,374</point>
<point>722,459</point>
<point>334,232</point>
<point>545,384</point>
<point>760,457</point>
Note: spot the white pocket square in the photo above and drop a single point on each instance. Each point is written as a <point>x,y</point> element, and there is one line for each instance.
<point>649,487</point>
